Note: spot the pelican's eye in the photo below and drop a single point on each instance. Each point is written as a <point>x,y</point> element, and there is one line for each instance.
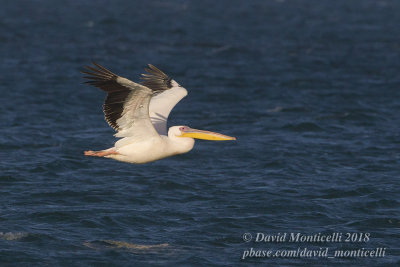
<point>184,128</point>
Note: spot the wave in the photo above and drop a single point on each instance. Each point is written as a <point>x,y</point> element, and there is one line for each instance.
<point>115,244</point>
<point>10,236</point>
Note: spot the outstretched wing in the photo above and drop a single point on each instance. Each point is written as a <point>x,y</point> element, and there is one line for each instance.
<point>126,108</point>
<point>168,94</point>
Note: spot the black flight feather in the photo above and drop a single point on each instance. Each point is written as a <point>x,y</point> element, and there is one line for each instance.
<point>156,80</point>
<point>116,93</point>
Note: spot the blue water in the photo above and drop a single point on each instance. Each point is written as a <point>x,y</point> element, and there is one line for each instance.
<point>309,88</point>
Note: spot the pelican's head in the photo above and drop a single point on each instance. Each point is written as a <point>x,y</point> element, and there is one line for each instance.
<point>186,131</point>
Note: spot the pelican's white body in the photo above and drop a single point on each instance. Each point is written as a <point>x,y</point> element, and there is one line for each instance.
<point>151,149</point>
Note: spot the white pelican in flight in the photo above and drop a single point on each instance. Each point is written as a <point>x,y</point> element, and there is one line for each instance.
<point>139,113</point>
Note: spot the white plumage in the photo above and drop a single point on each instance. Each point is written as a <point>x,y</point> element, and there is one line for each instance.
<point>162,104</point>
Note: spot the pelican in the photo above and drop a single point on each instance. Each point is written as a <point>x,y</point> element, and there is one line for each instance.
<point>138,112</point>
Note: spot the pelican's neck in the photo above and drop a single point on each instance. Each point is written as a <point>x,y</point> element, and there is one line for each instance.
<point>180,144</point>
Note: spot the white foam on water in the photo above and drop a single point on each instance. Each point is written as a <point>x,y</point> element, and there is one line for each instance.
<point>276,109</point>
<point>123,245</point>
<point>10,236</point>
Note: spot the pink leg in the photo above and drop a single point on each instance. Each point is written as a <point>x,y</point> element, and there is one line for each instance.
<point>101,153</point>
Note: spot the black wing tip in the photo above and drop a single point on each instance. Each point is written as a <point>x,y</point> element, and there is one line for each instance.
<point>151,66</point>
<point>97,72</point>
<point>94,63</point>
<point>89,67</point>
<point>153,70</point>
<point>156,79</point>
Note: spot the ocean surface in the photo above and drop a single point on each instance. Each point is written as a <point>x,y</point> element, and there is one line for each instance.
<point>310,89</point>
